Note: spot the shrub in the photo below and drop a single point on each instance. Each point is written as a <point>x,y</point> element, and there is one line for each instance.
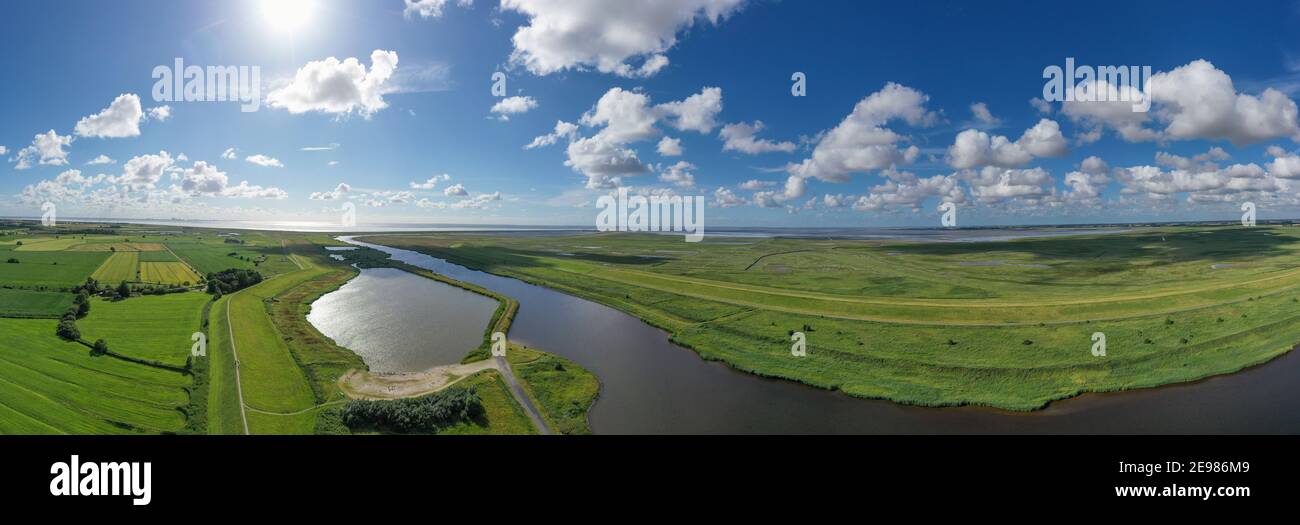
<point>100,348</point>
<point>68,330</point>
<point>425,414</point>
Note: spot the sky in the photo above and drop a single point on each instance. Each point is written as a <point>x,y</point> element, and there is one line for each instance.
<point>524,112</point>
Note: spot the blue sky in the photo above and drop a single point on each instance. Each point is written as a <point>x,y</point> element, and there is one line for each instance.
<point>1222,130</point>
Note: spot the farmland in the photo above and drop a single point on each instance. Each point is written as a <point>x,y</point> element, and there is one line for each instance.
<point>48,386</point>
<point>169,273</point>
<point>1005,324</point>
<point>168,320</point>
<point>29,303</point>
<point>118,268</point>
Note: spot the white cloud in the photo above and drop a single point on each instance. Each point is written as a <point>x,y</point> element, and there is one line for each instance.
<point>562,130</point>
<point>1094,165</point>
<point>725,198</point>
<point>625,115</point>
<point>456,190</point>
<point>160,113</point>
<point>144,171</point>
<point>607,36</point>
<point>264,161</point>
<point>973,148</point>
<point>861,143</point>
<point>755,184</point>
<point>741,137</point>
<point>338,87</point>
<point>513,106</point>
<point>603,161</point>
<point>339,192</point>
<point>669,147</point>
<point>431,183</point>
<point>46,149</point>
<point>102,159</point>
<point>1042,106</point>
<point>430,8</point>
<point>331,147</point>
<point>1194,101</point>
<point>904,190</point>
<point>983,116</point>
<point>994,185</point>
<point>120,119</point>
<point>679,175</point>
<point>697,112</point>
<point>1285,167</point>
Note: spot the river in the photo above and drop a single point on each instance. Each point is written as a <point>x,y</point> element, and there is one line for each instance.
<point>651,386</point>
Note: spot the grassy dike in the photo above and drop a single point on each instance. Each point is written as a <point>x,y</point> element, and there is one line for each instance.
<point>561,389</point>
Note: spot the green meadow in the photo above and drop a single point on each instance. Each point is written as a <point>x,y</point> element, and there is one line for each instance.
<point>1007,324</point>
<point>168,320</point>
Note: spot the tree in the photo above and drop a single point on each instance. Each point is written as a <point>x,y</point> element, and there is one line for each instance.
<point>124,290</point>
<point>101,347</point>
<point>68,330</point>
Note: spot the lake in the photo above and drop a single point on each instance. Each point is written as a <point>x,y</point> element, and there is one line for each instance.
<point>400,322</point>
<point>651,386</point>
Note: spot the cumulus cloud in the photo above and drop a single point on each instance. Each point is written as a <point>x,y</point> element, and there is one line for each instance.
<point>697,112</point>
<point>339,192</point>
<point>144,171</point>
<point>679,175</point>
<point>905,191</point>
<point>669,147</point>
<point>513,106</point>
<point>1194,101</point>
<point>100,160</point>
<point>995,185</point>
<point>120,119</point>
<point>983,116</point>
<point>264,161</point>
<point>456,190</point>
<point>562,130</point>
<point>160,113</point>
<point>973,148</point>
<point>431,182</point>
<point>742,137</point>
<point>338,87</point>
<point>607,36</point>
<point>46,149</point>
<point>725,198</point>
<point>230,154</point>
<point>861,143</point>
<point>755,184</point>
<point>603,161</point>
<point>430,8</point>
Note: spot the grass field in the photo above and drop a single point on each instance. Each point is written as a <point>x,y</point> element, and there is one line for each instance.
<point>49,386</point>
<point>563,390</point>
<point>118,267</point>
<point>172,273</point>
<point>29,303</point>
<point>37,270</point>
<point>154,327</point>
<point>48,245</point>
<point>503,415</point>
<point>1005,324</point>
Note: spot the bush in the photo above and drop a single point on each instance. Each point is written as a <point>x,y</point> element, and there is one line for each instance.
<point>100,348</point>
<point>68,330</point>
<point>12,261</point>
<point>426,414</point>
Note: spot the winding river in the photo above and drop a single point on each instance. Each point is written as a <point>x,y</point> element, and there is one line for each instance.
<point>651,386</point>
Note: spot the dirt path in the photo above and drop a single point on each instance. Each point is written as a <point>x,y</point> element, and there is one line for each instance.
<point>239,387</point>
<point>522,397</point>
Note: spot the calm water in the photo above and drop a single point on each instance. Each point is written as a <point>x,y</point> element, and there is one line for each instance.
<point>649,385</point>
<point>399,322</point>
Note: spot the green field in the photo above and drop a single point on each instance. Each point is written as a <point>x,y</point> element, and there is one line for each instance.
<point>29,303</point>
<point>563,390</point>
<point>157,328</point>
<point>48,245</point>
<point>121,266</point>
<point>171,273</point>
<point>1005,324</point>
<point>49,386</point>
<point>37,270</point>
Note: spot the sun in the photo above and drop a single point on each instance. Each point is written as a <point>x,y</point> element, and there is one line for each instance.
<point>287,16</point>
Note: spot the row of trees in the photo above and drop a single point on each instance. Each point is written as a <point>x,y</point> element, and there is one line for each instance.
<point>232,280</point>
<point>426,414</point>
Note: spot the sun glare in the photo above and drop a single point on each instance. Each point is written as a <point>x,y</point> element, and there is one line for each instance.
<point>287,16</point>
